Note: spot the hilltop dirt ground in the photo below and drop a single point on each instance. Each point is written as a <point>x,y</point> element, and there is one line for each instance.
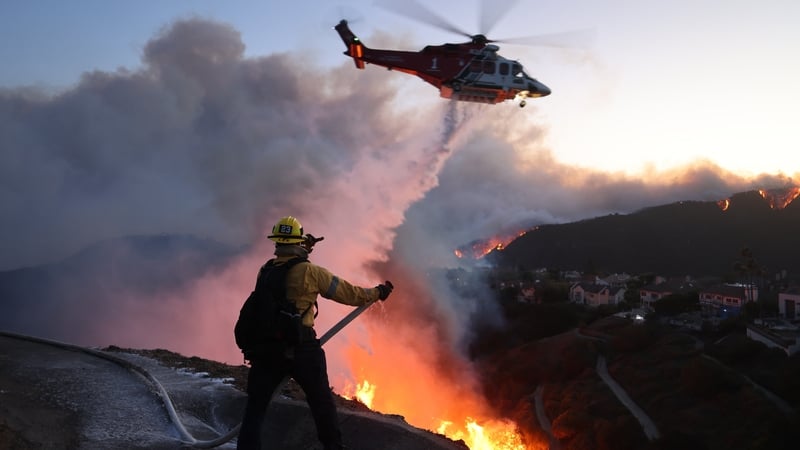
<point>59,396</point>
<point>238,374</point>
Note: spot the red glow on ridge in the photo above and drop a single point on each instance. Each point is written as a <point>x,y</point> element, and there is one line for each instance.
<point>780,198</point>
<point>482,247</point>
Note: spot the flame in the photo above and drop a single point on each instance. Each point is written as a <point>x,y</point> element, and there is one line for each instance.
<point>482,247</point>
<point>779,198</point>
<point>442,395</point>
<point>364,392</point>
<point>493,435</point>
<point>406,358</point>
<point>724,204</point>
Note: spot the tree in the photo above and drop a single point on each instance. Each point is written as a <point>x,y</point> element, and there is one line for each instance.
<point>749,270</point>
<point>675,304</point>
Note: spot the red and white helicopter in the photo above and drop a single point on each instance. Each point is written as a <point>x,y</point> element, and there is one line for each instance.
<point>471,71</point>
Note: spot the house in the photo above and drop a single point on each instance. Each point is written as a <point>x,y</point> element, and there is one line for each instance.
<point>725,300</point>
<point>789,303</point>
<point>571,275</point>
<point>527,293</point>
<point>776,335</point>
<point>661,288</point>
<point>618,279</point>
<point>594,294</point>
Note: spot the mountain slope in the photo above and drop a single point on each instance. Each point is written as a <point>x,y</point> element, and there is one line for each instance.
<point>50,300</point>
<point>692,237</point>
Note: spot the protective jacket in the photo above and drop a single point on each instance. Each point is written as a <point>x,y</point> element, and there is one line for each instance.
<point>306,280</point>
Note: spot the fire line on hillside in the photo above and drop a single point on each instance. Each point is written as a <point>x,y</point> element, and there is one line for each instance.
<point>776,198</point>
<point>479,248</point>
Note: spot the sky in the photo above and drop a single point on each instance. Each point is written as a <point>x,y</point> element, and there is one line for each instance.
<point>662,84</point>
<point>214,119</point>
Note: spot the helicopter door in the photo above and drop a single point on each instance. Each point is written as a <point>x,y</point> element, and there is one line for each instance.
<point>503,71</point>
<point>518,77</point>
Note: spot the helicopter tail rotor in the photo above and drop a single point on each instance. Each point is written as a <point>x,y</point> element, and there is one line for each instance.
<point>355,48</point>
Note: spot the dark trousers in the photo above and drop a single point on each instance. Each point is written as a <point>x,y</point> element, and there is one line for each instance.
<point>310,371</point>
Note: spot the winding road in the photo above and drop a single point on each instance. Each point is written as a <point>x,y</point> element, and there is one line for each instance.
<point>648,426</point>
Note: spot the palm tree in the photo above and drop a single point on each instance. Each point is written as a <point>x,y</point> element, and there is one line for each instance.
<point>748,268</point>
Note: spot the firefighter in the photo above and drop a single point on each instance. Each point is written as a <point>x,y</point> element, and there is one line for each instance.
<point>305,362</point>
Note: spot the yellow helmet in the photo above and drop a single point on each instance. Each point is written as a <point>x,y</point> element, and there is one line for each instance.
<point>287,231</point>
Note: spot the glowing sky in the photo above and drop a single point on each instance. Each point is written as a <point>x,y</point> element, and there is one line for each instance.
<point>663,83</point>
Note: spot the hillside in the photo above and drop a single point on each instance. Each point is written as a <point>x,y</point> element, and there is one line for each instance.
<point>690,237</point>
<point>49,300</point>
<point>699,395</point>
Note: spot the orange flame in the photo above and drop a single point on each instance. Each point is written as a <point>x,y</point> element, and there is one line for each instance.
<point>442,395</point>
<point>482,247</point>
<point>724,204</point>
<point>493,435</point>
<point>364,392</point>
<point>779,198</point>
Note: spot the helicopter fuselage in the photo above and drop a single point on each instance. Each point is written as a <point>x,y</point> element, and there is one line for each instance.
<point>471,71</point>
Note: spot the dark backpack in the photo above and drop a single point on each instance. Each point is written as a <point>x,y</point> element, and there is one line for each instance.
<point>268,319</point>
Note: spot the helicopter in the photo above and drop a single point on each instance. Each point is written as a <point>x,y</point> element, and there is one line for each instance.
<point>472,71</point>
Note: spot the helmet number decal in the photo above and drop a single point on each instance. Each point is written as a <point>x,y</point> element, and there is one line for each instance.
<point>285,229</point>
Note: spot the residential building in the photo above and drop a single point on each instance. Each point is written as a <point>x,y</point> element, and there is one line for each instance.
<point>594,294</point>
<point>776,335</point>
<point>527,293</point>
<point>571,275</point>
<point>725,300</point>
<point>661,288</point>
<point>618,279</point>
<point>789,303</point>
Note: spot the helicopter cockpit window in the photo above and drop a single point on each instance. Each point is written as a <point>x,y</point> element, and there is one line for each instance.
<point>503,69</point>
<point>517,69</point>
<point>488,67</point>
<point>476,66</point>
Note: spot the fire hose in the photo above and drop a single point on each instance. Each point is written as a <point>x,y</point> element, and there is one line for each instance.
<point>185,437</point>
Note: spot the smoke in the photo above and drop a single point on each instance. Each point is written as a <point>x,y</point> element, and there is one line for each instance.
<point>199,140</point>
<point>493,187</point>
<point>202,141</point>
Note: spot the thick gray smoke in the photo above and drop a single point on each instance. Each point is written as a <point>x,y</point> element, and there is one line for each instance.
<point>205,142</point>
<point>198,140</point>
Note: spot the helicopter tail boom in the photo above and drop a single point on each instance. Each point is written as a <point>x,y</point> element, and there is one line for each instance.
<point>355,48</point>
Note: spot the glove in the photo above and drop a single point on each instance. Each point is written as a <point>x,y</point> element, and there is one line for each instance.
<point>384,290</point>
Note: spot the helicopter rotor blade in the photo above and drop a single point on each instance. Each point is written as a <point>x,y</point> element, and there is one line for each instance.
<point>575,39</point>
<point>339,12</point>
<point>492,11</point>
<point>416,11</point>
